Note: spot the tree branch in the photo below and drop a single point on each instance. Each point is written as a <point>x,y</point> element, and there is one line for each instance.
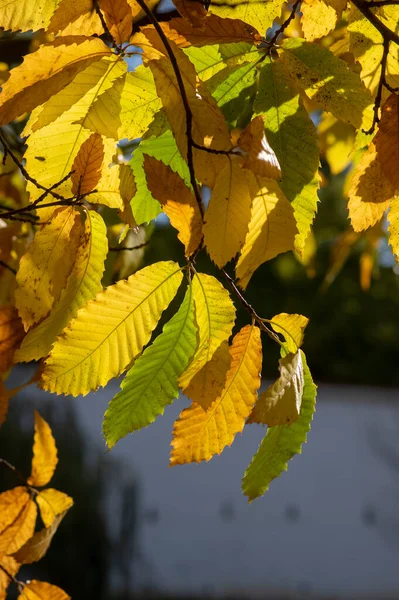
<point>186,104</point>
<point>6,266</point>
<point>364,7</point>
<point>116,249</point>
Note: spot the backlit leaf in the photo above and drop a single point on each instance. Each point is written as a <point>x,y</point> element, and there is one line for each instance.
<point>87,165</point>
<point>75,17</point>
<point>37,546</point>
<point>11,335</point>
<point>40,590</point>
<point>369,192</point>
<point>118,18</point>
<point>272,228</point>
<point>127,108</point>
<point>83,284</point>
<point>292,327</point>
<point>215,316</point>
<point>228,213</point>
<point>208,383</point>
<point>51,504</point>
<point>215,30</point>
<point>198,434</point>
<point>45,456</point>
<point>44,73</point>
<point>21,530</point>
<point>393,228</point>
<point>152,382</point>
<point>260,157</point>
<point>292,136</point>
<point>387,140</point>
<point>11,504</point>
<point>281,403</point>
<point>23,15</point>
<point>318,19</point>
<point>177,201</point>
<point>257,13</point>
<point>329,81</point>
<point>45,267</point>
<point>120,321</point>
<point>280,444</point>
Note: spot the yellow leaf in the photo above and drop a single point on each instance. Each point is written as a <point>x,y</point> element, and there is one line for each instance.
<point>44,73</point>
<point>45,456</point>
<point>75,17</point>
<point>228,213</point>
<point>127,108</point>
<point>110,331</point>
<point>177,201</point>
<point>12,567</point>
<point>272,227</point>
<point>21,530</point>
<point>369,192</point>
<point>52,150</point>
<point>318,19</point>
<point>317,72</point>
<point>118,17</point>
<point>108,189</point>
<point>387,140</point>
<point>40,590</point>
<point>83,284</point>
<point>87,165</point>
<point>366,44</point>
<point>11,335</point>
<point>393,228</point>
<point>336,142</point>
<point>208,383</point>
<point>257,13</point>
<point>37,546</point>
<point>209,128</point>
<point>45,267</point>
<point>281,403</point>
<point>24,15</point>
<point>292,327</point>
<point>260,158</point>
<point>11,504</point>
<point>51,504</point>
<point>215,316</point>
<point>75,91</point>
<point>213,30</point>
<point>199,435</point>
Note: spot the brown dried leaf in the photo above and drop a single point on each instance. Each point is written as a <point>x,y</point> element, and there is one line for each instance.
<point>11,335</point>
<point>87,165</point>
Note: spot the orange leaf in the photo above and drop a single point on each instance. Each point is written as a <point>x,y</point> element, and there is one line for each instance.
<point>44,453</point>
<point>21,530</point>
<point>87,165</point>
<point>51,504</point>
<point>198,434</point>
<point>12,567</point>
<point>387,140</point>
<point>40,590</point>
<point>370,192</point>
<point>118,17</point>
<point>11,504</point>
<point>177,201</point>
<point>11,334</point>
<point>37,546</point>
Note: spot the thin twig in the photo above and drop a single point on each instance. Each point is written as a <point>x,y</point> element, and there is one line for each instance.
<point>376,4</point>
<point>6,266</point>
<point>284,25</point>
<point>184,97</point>
<point>364,7</point>
<point>24,172</point>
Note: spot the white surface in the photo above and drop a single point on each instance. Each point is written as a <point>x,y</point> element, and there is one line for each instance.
<point>329,549</point>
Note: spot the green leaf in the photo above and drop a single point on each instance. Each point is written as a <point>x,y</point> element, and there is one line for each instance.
<point>233,89</point>
<point>280,444</point>
<point>144,206</point>
<point>329,81</point>
<point>151,384</point>
<point>292,136</point>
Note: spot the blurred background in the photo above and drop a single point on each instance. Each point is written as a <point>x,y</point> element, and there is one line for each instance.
<point>329,528</point>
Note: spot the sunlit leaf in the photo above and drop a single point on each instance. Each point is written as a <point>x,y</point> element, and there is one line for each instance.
<point>120,321</point>
<point>25,16</point>
<point>86,168</point>
<point>38,544</point>
<point>21,530</point>
<point>51,504</point>
<point>45,456</point>
<point>387,140</point>
<point>40,590</point>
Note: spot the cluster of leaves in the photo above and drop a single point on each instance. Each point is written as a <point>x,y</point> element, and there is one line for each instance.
<point>20,544</point>
<point>215,109</point>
